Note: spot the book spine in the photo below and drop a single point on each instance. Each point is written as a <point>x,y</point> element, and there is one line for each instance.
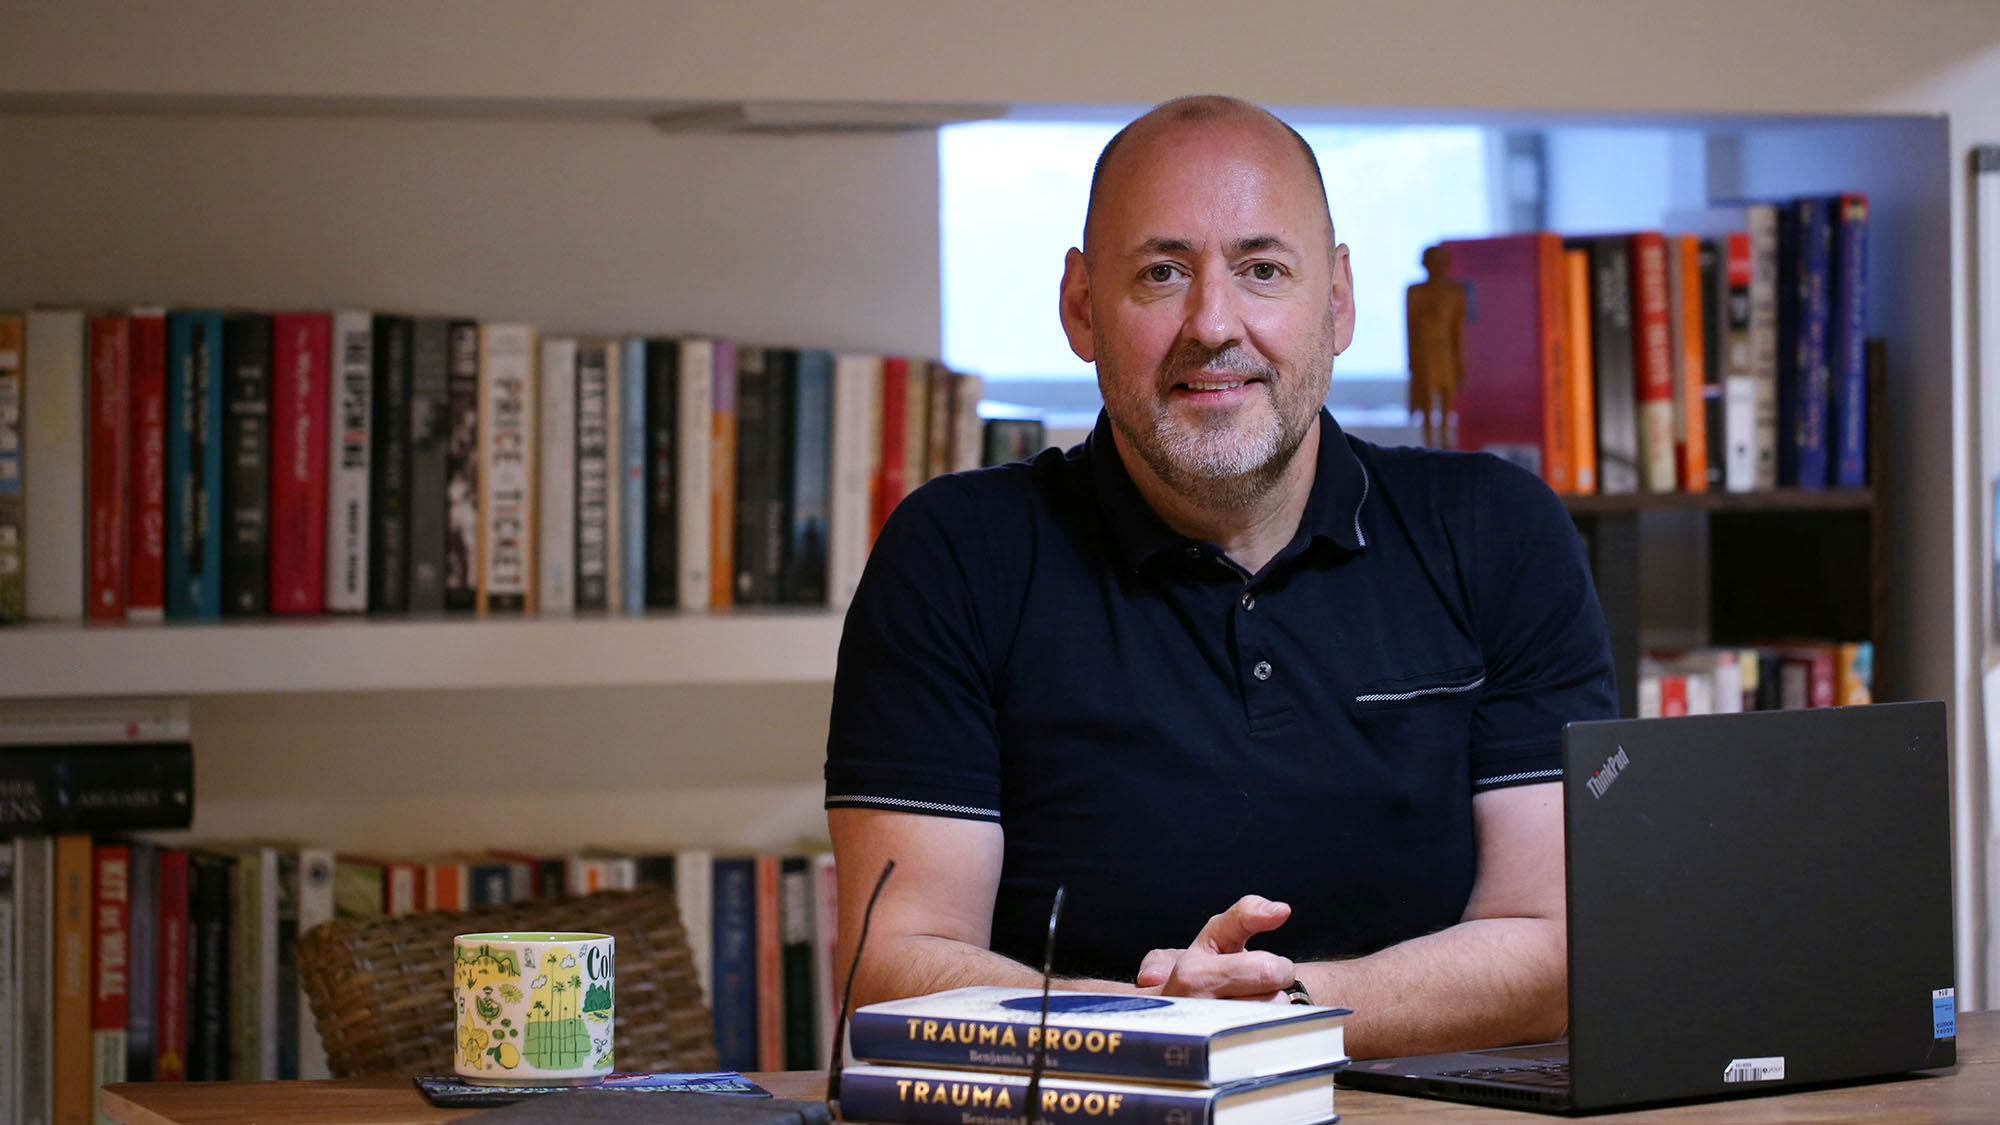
<point>246,480</point>
<point>243,983</point>
<point>1791,373</point>
<point>892,481</point>
<point>1812,434</point>
<point>300,389</point>
<point>389,468</point>
<point>1740,384</point>
<point>111,886</point>
<point>13,499</point>
<point>966,391</point>
<point>770,967</point>
<point>722,480</point>
<point>662,523</point>
<point>34,973</point>
<point>1552,350</point>
<point>826,955</point>
<point>632,475</point>
<point>774,514</point>
<point>851,503</point>
<point>430,447</point>
<point>753,471</point>
<point>1854,673</point>
<point>110,453</point>
<point>280,975</point>
<point>142,951</point>
<point>1690,368</point>
<point>348,458</point>
<point>71,1054</point>
<point>54,411</point>
<point>556,580</point>
<point>1713,282</point>
<point>208,968</point>
<point>170,1005</point>
<point>614,457</point>
<point>694,462</point>
<point>694,898</point>
<point>403,887</point>
<point>1612,366</point>
<point>919,404</point>
<point>96,788</point>
<point>811,448</point>
<point>593,478</point>
<point>1652,352</point>
<point>795,937</point>
<point>937,439</point>
<point>461,584</point>
<point>956,1097</point>
<point>507,461</point>
<point>1847,349</point>
<point>734,995</point>
<point>192,339</point>
<point>146,560</point>
<point>997,1045</point>
<point>1761,220</point>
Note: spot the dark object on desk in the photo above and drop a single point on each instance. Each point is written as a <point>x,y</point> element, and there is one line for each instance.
<point>1757,901</point>
<point>449,1090</point>
<point>615,1107</point>
<point>381,995</point>
<point>96,787</point>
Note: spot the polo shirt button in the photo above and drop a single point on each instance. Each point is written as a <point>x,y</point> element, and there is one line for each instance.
<point>1249,602</point>
<point>1194,552</point>
<point>1262,671</point>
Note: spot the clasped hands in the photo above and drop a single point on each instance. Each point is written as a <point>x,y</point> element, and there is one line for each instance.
<point>1217,963</point>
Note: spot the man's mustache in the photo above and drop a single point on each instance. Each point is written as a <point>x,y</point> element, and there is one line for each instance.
<point>1229,359</point>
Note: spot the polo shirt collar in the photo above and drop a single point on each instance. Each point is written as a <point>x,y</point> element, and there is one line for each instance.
<point>1333,508</point>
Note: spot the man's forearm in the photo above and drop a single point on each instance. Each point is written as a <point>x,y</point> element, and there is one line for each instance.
<point>917,964</point>
<point>1482,983</point>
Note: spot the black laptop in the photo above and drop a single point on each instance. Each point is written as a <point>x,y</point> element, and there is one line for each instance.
<point>1756,901</point>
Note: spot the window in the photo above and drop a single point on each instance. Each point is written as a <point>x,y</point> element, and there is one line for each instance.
<point>1012,196</point>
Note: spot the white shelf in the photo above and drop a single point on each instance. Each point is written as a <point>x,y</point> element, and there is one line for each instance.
<point>362,654</point>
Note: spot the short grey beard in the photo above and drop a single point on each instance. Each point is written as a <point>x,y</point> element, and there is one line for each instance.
<point>1193,468</point>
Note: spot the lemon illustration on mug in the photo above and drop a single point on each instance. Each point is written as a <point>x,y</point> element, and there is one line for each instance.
<point>533,1009</point>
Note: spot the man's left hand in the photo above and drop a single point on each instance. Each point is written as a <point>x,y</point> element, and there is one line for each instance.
<point>1218,963</point>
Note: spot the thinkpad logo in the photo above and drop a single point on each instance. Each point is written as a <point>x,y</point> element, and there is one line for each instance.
<point>1608,773</point>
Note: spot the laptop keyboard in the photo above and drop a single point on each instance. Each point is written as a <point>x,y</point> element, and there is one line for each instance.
<point>1548,1075</point>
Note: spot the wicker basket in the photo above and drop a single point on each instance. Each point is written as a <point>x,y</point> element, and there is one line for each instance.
<point>380,988</point>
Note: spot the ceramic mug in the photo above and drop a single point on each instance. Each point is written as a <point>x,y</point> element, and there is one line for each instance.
<point>534,1009</point>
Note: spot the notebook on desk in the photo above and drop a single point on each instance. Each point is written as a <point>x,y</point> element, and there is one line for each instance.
<point>1756,901</point>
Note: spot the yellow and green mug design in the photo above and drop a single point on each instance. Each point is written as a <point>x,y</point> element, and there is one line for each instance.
<point>534,1009</point>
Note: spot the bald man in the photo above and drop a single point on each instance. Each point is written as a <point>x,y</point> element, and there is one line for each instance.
<point>1278,707</point>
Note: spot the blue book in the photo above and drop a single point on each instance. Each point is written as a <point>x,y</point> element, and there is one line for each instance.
<point>734,963</point>
<point>1812,412</point>
<point>805,555</point>
<point>894,1095</point>
<point>194,464</point>
<point>632,475</point>
<point>1847,340</point>
<point>1151,1038</point>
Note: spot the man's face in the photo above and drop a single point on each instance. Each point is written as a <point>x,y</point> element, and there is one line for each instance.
<point>1211,302</point>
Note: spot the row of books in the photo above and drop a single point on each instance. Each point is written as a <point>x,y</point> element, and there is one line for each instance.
<point>1702,681</point>
<point>1661,362</point>
<point>195,463</point>
<point>136,961</point>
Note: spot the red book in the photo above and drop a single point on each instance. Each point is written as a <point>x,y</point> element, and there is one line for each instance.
<point>110,450</point>
<point>770,967</point>
<point>299,396</point>
<point>893,478</point>
<point>1653,362</point>
<point>1515,400</point>
<point>1818,664</point>
<point>402,887</point>
<point>146,561</point>
<point>1673,694</point>
<point>71,1094</point>
<point>111,929</point>
<point>170,981</point>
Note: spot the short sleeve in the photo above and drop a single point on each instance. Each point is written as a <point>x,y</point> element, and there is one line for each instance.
<point>1548,656</point>
<point>913,723</point>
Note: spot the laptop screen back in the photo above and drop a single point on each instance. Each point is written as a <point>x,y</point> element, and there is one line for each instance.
<point>1757,900</point>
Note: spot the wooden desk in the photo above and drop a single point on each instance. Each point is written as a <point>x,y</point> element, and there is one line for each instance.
<point>1969,1092</point>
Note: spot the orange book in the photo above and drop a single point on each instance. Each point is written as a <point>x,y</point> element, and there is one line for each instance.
<point>1582,384</point>
<point>72,1090</point>
<point>1690,373</point>
<point>770,973</point>
<point>722,480</point>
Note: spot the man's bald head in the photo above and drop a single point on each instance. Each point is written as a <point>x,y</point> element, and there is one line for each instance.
<point>1196,109</point>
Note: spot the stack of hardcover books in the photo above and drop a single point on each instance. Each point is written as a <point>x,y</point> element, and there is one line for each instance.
<point>965,1057</point>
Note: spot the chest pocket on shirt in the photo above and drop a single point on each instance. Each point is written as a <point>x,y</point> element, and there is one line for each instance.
<point>1455,689</point>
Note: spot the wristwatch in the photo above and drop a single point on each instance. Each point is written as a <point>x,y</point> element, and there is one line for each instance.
<point>1298,993</point>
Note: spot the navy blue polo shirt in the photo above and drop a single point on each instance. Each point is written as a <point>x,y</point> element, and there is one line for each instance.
<point>1162,733</point>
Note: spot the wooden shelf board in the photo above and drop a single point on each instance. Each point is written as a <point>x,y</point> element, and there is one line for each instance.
<point>362,654</point>
<point>1776,500</point>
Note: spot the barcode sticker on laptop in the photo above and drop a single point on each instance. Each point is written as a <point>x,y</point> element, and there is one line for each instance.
<point>1944,1013</point>
<point>1755,1070</point>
